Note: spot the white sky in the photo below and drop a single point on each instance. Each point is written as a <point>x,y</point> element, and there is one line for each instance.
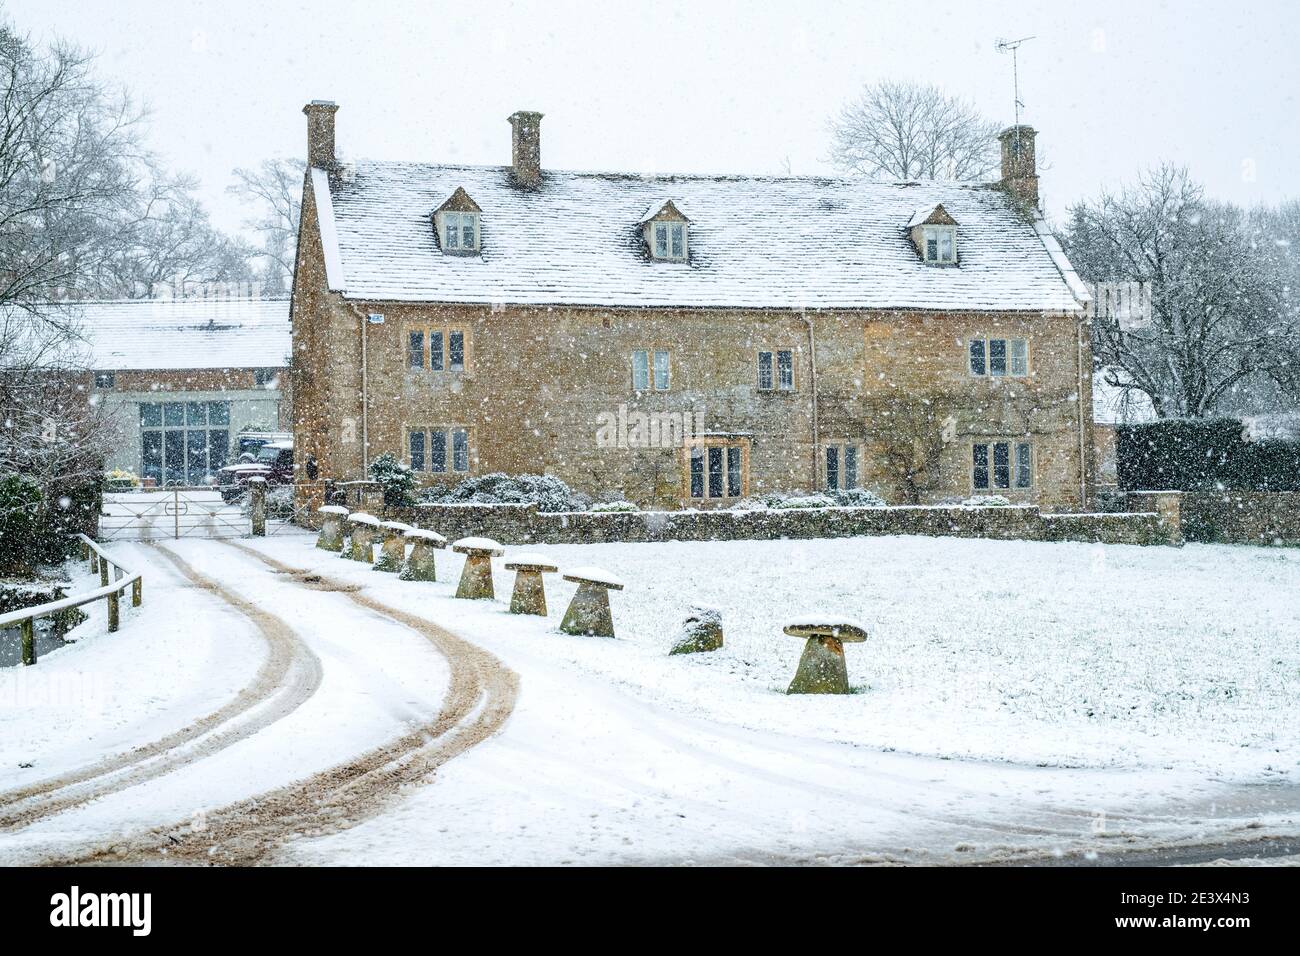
<point>699,86</point>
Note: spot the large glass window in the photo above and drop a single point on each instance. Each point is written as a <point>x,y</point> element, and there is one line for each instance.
<point>184,442</point>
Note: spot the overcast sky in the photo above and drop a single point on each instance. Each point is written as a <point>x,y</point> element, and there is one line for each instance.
<point>699,86</point>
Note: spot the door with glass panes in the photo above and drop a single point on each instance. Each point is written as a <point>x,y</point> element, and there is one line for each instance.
<point>184,443</point>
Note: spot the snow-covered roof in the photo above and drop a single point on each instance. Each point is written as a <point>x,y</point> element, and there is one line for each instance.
<point>157,334</point>
<point>756,241</point>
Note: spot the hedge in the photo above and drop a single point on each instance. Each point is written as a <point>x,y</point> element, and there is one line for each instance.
<point>1203,455</point>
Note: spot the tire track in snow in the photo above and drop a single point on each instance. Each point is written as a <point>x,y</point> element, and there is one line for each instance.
<point>481,695</point>
<point>289,676</point>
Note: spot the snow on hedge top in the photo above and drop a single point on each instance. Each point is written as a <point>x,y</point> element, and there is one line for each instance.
<point>149,334</point>
<point>756,241</point>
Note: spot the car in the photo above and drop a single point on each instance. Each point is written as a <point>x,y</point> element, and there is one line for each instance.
<point>273,461</point>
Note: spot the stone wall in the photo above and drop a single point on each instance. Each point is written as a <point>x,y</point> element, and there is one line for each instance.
<point>523,524</point>
<point>1242,517</point>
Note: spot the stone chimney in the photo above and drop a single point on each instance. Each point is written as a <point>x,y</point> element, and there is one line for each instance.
<point>320,133</point>
<point>1019,171</point>
<point>526,149</point>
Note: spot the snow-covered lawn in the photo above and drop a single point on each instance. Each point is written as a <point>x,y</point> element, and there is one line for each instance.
<point>1037,653</point>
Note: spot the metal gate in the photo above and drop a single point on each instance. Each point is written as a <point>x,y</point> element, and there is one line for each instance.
<point>180,512</point>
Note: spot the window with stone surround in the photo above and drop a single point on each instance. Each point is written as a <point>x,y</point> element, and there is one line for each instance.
<point>717,468</point>
<point>776,370</point>
<point>840,461</point>
<point>1002,464</point>
<point>651,367</point>
<point>999,358</point>
<point>437,349</point>
<point>438,451</point>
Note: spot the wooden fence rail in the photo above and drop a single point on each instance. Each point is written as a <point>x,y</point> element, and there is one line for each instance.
<point>114,579</point>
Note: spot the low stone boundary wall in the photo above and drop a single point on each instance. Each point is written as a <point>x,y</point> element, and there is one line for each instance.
<point>1242,517</point>
<point>524,524</point>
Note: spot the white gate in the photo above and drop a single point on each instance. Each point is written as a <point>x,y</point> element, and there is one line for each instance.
<point>153,513</point>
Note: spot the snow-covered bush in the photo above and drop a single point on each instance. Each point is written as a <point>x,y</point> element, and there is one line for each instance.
<point>857,498</point>
<point>619,505</point>
<point>120,479</point>
<point>986,501</point>
<point>847,498</point>
<point>396,478</point>
<point>546,491</point>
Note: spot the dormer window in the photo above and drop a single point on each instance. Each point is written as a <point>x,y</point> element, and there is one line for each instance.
<point>934,234</point>
<point>940,244</point>
<point>667,231</point>
<point>457,224</point>
<point>460,231</point>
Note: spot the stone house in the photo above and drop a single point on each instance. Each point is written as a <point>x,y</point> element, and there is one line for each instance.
<point>184,377</point>
<point>684,341</point>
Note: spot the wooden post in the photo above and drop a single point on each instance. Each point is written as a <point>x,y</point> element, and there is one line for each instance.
<point>103,573</point>
<point>94,562</point>
<point>257,509</point>
<point>29,642</point>
<point>112,612</point>
<point>137,592</point>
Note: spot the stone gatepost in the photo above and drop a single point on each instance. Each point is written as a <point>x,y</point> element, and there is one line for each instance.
<point>1168,505</point>
<point>257,505</point>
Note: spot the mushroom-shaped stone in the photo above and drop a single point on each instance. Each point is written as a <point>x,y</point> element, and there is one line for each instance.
<point>392,553</point>
<point>821,668</point>
<point>701,631</point>
<point>529,596</point>
<point>588,612</point>
<point>420,566</point>
<point>362,529</point>
<point>331,528</point>
<point>476,577</point>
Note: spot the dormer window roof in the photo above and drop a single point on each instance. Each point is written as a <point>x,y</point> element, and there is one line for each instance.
<point>456,224</point>
<point>934,234</point>
<point>667,231</point>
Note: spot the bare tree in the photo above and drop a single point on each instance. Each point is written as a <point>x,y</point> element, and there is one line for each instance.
<point>1219,316</point>
<point>274,189</point>
<point>896,130</point>
<point>907,438</point>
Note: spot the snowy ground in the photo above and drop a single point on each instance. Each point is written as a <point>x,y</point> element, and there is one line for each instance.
<point>1096,696</point>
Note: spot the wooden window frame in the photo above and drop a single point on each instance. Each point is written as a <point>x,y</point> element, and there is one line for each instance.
<point>445,217</point>
<point>725,442</point>
<point>936,234</point>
